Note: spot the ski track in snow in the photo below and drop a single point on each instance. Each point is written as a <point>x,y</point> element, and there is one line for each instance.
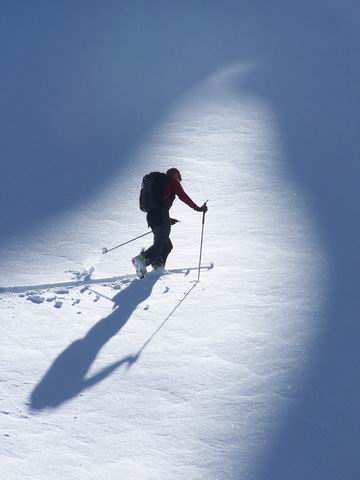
<point>71,292</point>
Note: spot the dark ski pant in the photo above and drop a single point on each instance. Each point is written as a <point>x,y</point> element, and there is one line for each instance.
<point>161,227</point>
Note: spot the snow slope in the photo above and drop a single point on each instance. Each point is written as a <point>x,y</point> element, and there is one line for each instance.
<point>234,376</point>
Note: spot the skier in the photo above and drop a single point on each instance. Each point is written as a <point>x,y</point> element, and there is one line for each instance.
<point>159,221</point>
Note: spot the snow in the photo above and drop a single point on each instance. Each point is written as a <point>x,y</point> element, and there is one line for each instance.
<point>248,373</point>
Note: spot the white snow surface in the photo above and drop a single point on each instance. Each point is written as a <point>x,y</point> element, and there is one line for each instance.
<point>104,376</point>
<point>167,378</point>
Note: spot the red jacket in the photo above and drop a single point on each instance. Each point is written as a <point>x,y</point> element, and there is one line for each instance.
<point>173,187</point>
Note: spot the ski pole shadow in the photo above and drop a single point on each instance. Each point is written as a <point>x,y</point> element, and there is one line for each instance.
<point>149,340</point>
<point>67,376</point>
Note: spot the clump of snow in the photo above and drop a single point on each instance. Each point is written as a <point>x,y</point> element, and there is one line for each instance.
<point>84,274</point>
<point>35,298</point>
<point>61,291</point>
<point>51,298</point>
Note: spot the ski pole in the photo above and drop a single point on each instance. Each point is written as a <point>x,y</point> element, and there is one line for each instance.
<point>106,250</point>
<point>201,243</point>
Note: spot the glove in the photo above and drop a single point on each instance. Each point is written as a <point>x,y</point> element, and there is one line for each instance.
<point>173,221</point>
<point>203,208</point>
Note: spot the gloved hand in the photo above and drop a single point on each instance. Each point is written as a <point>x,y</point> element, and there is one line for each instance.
<point>203,208</point>
<point>173,221</point>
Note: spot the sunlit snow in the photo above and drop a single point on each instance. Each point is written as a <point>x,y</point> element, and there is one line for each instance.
<point>249,373</point>
<point>224,368</point>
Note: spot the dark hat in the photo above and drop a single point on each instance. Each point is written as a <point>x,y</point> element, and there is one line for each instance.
<point>172,172</point>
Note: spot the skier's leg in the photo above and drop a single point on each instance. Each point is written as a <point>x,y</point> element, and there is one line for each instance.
<point>166,250</point>
<point>151,256</point>
<point>160,247</point>
<point>153,253</point>
<point>166,243</point>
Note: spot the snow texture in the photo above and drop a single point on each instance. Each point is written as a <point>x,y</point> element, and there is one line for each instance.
<point>250,372</point>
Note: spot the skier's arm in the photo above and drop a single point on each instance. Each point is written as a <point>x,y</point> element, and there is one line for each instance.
<point>184,197</point>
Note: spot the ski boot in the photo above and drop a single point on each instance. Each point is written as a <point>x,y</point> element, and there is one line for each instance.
<point>139,263</point>
<point>157,265</point>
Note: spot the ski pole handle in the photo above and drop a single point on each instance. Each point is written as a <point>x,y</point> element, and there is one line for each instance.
<point>203,218</point>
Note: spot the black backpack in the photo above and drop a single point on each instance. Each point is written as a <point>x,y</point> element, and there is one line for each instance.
<point>152,187</point>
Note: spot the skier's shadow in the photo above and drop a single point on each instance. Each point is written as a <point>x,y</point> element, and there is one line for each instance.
<point>67,376</point>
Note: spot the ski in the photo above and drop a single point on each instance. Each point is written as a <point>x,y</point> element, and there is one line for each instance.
<point>92,281</point>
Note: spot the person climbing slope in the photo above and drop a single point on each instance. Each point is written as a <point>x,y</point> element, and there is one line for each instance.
<point>157,195</point>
